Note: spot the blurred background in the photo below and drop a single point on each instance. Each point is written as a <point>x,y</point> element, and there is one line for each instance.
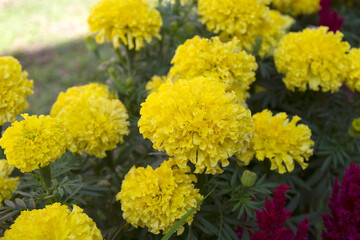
<point>48,38</point>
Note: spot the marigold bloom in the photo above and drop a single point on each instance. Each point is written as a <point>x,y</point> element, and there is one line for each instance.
<point>7,184</point>
<point>314,58</point>
<point>274,29</point>
<point>33,142</point>
<point>241,18</point>
<point>280,140</point>
<point>130,22</point>
<point>353,76</point>
<point>297,7</point>
<point>94,120</point>
<point>215,59</point>
<point>344,203</point>
<point>55,221</point>
<point>272,218</point>
<point>196,120</point>
<point>158,198</point>
<point>14,87</point>
<point>154,83</point>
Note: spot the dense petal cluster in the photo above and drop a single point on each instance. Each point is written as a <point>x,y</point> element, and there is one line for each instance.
<point>343,223</point>
<point>130,22</point>
<point>158,198</point>
<point>246,20</point>
<point>33,142</point>
<point>215,59</point>
<point>93,118</point>
<point>154,83</point>
<point>14,87</point>
<point>280,140</point>
<point>274,29</point>
<point>241,18</point>
<point>315,58</point>
<point>353,77</point>
<point>196,120</point>
<point>272,219</point>
<point>297,7</point>
<point>55,221</point>
<point>7,184</point>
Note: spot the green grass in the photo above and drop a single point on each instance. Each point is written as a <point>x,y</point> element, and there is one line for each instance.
<point>31,24</point>
<point>47,37</point>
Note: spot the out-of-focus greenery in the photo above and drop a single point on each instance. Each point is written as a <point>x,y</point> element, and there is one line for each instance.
<point>231,204</point>
<point>32,24</point>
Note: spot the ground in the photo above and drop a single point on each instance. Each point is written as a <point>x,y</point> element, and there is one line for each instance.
<point>48,38</point>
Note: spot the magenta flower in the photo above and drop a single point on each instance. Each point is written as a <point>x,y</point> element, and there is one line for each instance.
<point>344,203</point>
<point>271,220</point>
<point>328,18</point>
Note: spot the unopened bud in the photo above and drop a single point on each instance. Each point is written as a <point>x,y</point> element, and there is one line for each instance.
<point>354,131</point>
<point>248,179</point>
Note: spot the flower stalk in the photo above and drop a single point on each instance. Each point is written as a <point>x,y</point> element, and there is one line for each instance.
<point>45,173</point>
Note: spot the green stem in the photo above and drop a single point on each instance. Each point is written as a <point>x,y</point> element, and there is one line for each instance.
<point>1,128</point>
<point>45,173</point>
<point>130,55</point>
<point>119,55</point>
<point>177,7</point>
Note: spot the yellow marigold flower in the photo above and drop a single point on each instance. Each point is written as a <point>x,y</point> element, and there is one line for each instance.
<point>55,221</point>
<point>241,18</point>
<point>94,120</point>
<point>7,184</point>
<point>14,87</point>
<point>314,58</point>
<point>196,120</point>
<point>33,142</point>
<point>91,90</point>
<point>215,59</point>
<point>297,7</point>
<point>158,198</point>
<point>154,83</point>
<point>353,78</point>
<point>275,28</point>
<point>280,140</point>
<point>130,22</point>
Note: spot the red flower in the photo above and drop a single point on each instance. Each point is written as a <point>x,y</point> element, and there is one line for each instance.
<point>271,220</point>
<point>328,18</point>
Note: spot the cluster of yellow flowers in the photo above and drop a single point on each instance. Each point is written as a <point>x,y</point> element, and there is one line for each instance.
<point>155,82</point>
<point>353,77</point>
<point>297,7</point>
<point>158,198</point>
<point>130,22</point>
<point>95,120</point>
<point>246,20</point>
<point>196,120</point>
<point>33,142</point>
<point>55,221</point>
<point>314,58</point>
<point>14,87</point>
<point>214,59</point>
<point>7,184</point>
<point>279,140</point>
